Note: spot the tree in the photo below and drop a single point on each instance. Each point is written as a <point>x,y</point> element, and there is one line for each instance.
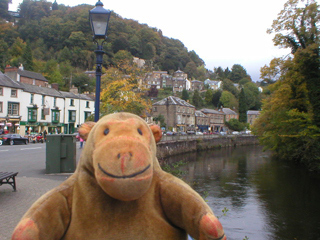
<point>208,96</point>
<point>4,9</point>
<point>228,100</point>
<point>243,108</point>
<point>196,99</point>
<point>236,125</point>
<point>297,28</point>
<point>271,73</point>
<point>160,118</point>
<point>27,58</point>
<point>252,96</point>
<point>3,54</point>
<point>185,95</point>
<point>228,85</point>
<point>216,98</point>
<point>237,73</point>
<point>123,96</point>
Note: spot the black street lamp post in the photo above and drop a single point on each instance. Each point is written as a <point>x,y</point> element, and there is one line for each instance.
<point>99,19</point>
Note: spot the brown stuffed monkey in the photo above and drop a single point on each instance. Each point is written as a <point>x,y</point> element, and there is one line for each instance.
<point>119,191</point>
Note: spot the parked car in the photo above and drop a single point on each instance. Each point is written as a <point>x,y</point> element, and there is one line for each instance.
<point>182,133</point>
<point>235,133</point>
<point>169,133</point>
<point>223,133</point>
<point>199,133</point>
<point>191,132</point>
<point>13,139</point>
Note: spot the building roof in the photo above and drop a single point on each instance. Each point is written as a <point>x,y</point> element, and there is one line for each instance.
<point>196,81</point>
<point>229,111</point>
<point>32,75</point>
<point>171,100</point>
<point>41,90</point>
<point>252,112</point>
<point>5,81</point>
<point>211,111</point>
<point>200,114</point>
<point>73,95</point>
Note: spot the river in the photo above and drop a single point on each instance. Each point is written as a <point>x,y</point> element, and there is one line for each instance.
<point>264,199</point>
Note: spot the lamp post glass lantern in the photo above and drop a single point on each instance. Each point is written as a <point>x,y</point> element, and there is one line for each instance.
<point>99,19</point>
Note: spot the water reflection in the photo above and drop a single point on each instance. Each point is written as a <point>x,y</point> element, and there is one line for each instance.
<point>266,199</point>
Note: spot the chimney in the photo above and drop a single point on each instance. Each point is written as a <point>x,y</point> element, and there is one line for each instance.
<point>55,86</point>
<point>8,68</point>
<point>11,72</point>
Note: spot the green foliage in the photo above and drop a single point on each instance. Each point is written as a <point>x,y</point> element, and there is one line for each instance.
<point>237,73</point>
<point>63,34</point>
<point>228,85</point>
<point>208,96</point>
<point>243,107</point>
<point>228,100</point>
<point>216,98</point>
<point>27,58</point>
<point>160,119</point>
<point>235,125</point>
<point>290,120</point>
<point>185,95</point>
<point>196,99</point>
<point>4,10</point>
<point>174,168</point>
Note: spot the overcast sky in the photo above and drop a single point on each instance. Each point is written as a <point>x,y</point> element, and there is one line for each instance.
<point>221,32</point>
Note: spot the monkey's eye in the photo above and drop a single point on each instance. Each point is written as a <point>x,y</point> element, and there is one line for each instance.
<point>106,131</point>
<point>139,131</point>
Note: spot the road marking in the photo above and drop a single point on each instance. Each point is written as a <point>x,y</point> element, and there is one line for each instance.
<point>4,150</point>
<point>29,148</point>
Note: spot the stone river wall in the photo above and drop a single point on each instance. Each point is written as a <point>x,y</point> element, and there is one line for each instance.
<point>172,146</point>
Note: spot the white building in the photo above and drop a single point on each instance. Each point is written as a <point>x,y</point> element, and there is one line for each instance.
<point>27,108</point>
<point>214,85</point>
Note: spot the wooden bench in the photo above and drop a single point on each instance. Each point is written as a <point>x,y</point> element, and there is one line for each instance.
<point>8,178</point>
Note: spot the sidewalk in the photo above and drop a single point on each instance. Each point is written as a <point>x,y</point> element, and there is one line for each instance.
<point>13,205</point>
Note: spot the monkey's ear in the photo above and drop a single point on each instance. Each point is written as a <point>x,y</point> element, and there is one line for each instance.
<point>85,129</point>
<point>157,134</point>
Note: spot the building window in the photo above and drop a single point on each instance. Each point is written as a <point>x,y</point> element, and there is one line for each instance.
<point>55,116</point>
<point>43,100</point>
<point>1,107</point>
<point>72,116</point>
<point>14,93</point>
<point>31,98</point>
<point>154,109</point>
<point>71,102</point>
<point>87,104</point>
<point>13,109</point>
<point>32,114</point>
<point>43,116</point>
<point>86,115</point>
<point>54,101</point>
<point>1,91</point>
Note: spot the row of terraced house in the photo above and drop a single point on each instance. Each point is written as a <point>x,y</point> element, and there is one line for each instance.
<point>181,116</point>
<point>29,104</point>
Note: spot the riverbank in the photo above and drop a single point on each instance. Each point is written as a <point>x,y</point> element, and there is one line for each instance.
<point>175,147</point>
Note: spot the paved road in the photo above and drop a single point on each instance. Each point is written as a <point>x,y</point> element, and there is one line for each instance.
<point>32,182</point>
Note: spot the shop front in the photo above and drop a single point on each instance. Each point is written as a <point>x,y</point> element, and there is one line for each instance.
<point>28,128</point>
<point>10,125</point>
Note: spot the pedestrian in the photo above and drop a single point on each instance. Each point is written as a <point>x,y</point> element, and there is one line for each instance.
<point>81,142</point>
<point>45,135</point>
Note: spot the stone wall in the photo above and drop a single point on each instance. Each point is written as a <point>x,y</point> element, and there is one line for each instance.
<point>171,148</point>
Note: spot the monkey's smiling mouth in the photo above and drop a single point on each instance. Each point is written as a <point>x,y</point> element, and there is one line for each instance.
<point>124,176</point>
